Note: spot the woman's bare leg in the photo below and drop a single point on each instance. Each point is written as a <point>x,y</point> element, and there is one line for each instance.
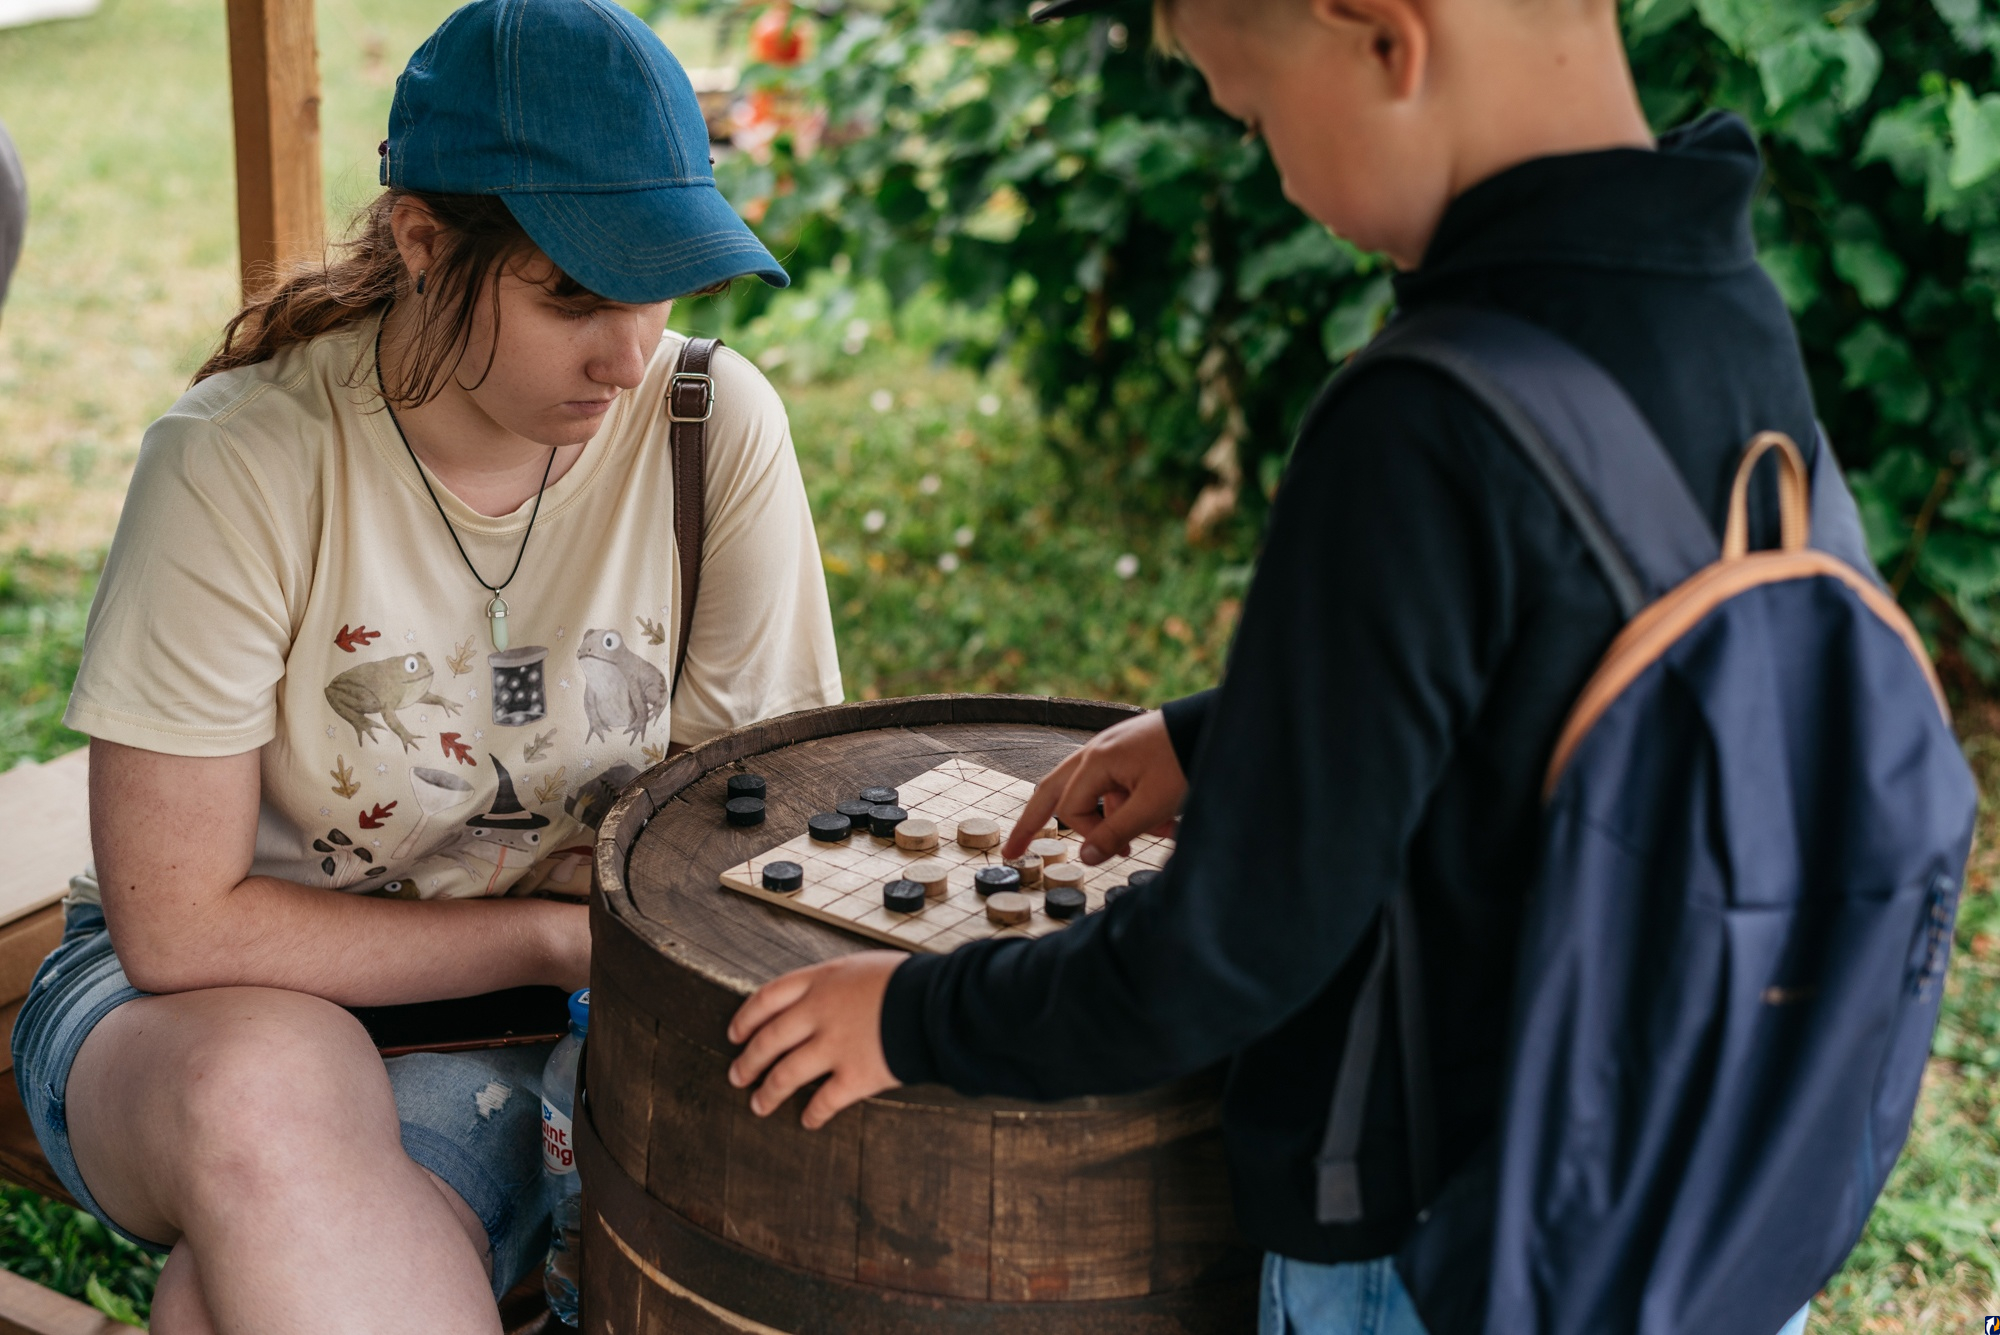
<point>255,1130</point>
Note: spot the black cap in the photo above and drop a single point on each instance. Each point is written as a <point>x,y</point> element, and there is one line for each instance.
<point>1062,9</point>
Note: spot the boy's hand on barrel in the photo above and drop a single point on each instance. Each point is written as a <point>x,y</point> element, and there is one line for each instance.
<point>1132,768</point>
<point>822,1021</point>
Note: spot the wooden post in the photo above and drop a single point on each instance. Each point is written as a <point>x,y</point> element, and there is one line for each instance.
<point>274,84</point>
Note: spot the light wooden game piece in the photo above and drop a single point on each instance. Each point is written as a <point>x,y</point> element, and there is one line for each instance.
<point>1030,868</point>
<point>1064,875</point>
<point>847,886</point>
<point>979,832</point>
<point>1051,830</point>
<point>917,835</point>
<point>1050,851</point>
<point>934,877</point>
<point>1009,908</point>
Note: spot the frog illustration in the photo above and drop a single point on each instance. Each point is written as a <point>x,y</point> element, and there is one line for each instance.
<point>622,692</point>
<point>381,688</point>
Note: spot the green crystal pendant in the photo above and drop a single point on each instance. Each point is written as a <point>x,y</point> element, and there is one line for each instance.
<point>496,616</point>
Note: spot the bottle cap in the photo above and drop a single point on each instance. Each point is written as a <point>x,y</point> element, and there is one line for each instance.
<point>579,1009</point>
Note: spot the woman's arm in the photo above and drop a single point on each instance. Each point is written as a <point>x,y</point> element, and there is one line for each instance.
<point>174,837</point>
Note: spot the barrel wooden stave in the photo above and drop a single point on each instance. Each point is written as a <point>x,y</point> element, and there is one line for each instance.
<point>921,1204</point>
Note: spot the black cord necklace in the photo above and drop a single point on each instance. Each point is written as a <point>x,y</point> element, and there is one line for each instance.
<point>496,611</point>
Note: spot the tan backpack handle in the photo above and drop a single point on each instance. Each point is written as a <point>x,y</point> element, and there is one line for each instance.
<point>1794,490</point>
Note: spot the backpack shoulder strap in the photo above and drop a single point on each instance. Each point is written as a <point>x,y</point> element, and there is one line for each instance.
<point>1580,432</point>
<point>690,403</point>
<point>1587,440</point>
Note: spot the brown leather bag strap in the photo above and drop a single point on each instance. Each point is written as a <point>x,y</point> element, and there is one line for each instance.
<point>690,403</point>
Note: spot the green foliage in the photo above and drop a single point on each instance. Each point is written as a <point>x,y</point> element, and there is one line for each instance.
<point>43,602</point>
<point>1168,306</point>
<point>69,1251</point>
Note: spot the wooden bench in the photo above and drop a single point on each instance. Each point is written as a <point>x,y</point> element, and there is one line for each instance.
<point>49,806</point>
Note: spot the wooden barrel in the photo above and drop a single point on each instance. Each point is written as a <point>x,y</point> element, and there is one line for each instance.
<point>917,1211</point>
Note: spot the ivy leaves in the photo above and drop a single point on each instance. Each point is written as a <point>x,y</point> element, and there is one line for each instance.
<point>1162,296</point>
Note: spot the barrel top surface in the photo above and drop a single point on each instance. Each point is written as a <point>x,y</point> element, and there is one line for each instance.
<point>664,846</point>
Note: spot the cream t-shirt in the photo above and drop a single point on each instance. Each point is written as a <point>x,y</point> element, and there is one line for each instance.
<point>280,580</point>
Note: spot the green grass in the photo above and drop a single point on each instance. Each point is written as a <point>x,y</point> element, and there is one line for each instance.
<point>43,601</point>
<point>130,269</point>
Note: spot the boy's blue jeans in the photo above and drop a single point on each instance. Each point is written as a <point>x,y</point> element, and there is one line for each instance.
<point>1358,1298</point>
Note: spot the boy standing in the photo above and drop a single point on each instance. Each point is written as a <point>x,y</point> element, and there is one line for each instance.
<point>1422,619</point>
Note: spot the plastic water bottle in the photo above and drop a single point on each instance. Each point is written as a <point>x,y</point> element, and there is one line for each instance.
<point>560,1279</point>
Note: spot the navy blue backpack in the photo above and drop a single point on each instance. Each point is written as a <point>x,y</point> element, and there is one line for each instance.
<point>1756,822</point>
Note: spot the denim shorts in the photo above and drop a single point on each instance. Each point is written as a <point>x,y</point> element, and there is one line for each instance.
<point>1355,1298</point>
<point>473,1118</point>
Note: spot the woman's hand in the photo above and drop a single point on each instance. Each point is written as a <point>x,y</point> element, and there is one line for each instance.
<point>822,1021</point>
<point>1132,768</point>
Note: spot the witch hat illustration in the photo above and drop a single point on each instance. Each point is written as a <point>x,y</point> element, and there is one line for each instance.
<point>506,812</point>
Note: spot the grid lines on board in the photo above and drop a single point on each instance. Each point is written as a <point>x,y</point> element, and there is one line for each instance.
<point>843,882</point>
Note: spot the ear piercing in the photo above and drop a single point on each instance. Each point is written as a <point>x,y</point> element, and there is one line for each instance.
<point>420,281</point>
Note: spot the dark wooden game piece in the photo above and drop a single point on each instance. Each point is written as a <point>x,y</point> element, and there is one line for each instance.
<point>1116,893</point>
<point>880,797</point>
<point>903,896</point>
<point>855,810</point>
<point>746,785</point>
<point>883,820</point>
<point>783,876</point>
<point>1139,880</point>
<point>1064,901</point>
<point>829,827</point>
<point>993,880</point>
<point>745,811</point>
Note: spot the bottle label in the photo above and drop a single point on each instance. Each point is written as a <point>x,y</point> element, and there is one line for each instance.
<point>558,1148</point>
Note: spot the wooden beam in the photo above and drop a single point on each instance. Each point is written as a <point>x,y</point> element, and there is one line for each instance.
<point>274,84</point>
<point>26,1308</point>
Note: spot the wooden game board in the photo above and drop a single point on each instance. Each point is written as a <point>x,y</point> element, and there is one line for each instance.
<point>843,883</point>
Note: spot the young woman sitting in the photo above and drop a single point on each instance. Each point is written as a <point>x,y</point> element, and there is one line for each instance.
<point>394,609</point>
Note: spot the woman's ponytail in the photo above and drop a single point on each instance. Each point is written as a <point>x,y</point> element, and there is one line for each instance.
<point>317,299</point>
<point>477,238</point>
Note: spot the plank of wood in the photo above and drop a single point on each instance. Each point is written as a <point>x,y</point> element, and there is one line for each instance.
<point>791,1193</point>
<point>48,813</point>
<point>926,1203</point>
<point>274,92</point>
<point>26,1308</point>
<point>24,944</point>
<point>687,1167</point>
<point>1073,1205</point>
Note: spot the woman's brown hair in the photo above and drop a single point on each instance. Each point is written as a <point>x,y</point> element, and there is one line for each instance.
<point>478,237</point>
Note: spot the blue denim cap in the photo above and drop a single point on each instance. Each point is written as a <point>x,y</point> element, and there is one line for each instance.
<point>575,114</point>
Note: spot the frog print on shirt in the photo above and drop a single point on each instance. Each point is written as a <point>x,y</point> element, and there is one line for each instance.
<point>622,692</point>
<point>381,688</point>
